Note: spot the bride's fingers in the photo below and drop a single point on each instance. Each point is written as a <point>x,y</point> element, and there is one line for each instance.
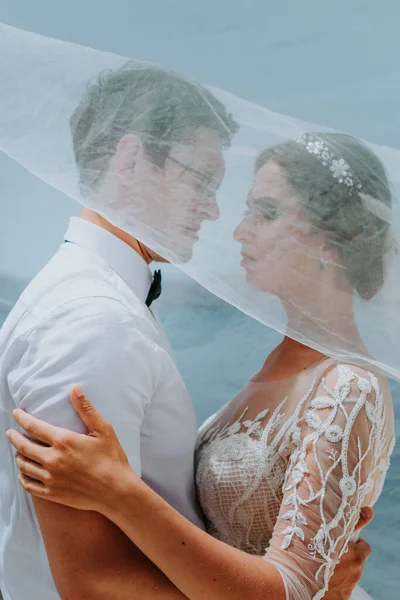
<point>34,488</point>
<point>26,447</point>
<point>87,412</point>
<point>36,427</point>
<point>31,469</point>
<point>366,516</point>
<point>363,548</point>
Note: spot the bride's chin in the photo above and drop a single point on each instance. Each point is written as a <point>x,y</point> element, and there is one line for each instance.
<point>259,283</point>
<point>254,281</point>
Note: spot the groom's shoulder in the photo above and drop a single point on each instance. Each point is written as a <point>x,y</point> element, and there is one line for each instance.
<point>60,297</point>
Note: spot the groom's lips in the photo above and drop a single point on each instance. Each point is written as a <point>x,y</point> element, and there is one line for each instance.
<point>192,232</point>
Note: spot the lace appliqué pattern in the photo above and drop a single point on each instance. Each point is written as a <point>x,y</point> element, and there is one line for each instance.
<point>240,472</point>
<point>297,478</point>
<point>353,491</point>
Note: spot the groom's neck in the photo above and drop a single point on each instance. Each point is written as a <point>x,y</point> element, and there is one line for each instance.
<point>94,217</point>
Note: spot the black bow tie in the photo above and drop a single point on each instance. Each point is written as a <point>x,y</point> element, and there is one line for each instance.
<point>155,288</point>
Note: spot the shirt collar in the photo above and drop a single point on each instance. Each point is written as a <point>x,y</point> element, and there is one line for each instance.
<point>120,257</point>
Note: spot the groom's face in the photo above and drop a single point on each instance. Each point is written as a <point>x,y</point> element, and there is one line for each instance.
<point>172,200</point>
<point>193,173</point>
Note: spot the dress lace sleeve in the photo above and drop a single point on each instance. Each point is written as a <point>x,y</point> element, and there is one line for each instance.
<point>341,447</point>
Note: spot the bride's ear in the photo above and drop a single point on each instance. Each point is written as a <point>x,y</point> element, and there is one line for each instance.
<point>329,254</point>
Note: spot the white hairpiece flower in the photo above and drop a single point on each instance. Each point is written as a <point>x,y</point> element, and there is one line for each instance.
<point>339,167</point>
<point>342,173</point>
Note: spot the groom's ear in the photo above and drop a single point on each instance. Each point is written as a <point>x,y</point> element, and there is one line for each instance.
<point>127,153</point>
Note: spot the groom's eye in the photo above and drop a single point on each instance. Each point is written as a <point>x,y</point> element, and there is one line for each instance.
<point>214,181</point>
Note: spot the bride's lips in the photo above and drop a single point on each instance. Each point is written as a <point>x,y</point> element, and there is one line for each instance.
<point>246,258</point>
<point>247,262</point>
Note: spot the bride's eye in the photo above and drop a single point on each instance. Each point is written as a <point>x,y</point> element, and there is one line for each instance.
<point>254,213</point>
<point>268,208</point>
<point>270,213</point>
<point>264,208</point>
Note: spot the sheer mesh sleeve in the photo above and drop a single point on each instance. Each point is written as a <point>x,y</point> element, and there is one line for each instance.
<point>342,444</point>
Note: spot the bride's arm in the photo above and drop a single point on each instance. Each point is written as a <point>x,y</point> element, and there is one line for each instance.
<point>92,473</point>
<point>342,446</point>
<point>198,564</point>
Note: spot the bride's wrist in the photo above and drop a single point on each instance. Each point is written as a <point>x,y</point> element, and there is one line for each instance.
<point>122,488</point>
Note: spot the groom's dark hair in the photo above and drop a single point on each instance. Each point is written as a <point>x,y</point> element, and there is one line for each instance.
<point>160,106</point>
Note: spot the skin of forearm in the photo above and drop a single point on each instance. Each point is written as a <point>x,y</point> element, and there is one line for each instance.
<point>198,564</point>
<point>107,568</point>
<point>133,585</point>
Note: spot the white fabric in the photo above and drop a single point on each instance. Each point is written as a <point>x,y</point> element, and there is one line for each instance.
<point>83,320</point>
<point>158,154</point>
<point>284,469</point>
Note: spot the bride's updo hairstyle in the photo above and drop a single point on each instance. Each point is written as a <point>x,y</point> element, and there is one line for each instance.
<point>345,191</point>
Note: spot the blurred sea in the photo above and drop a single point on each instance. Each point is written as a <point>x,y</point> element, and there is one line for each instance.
<point>217,349</point>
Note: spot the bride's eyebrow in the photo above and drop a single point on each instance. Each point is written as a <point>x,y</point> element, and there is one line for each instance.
<point>262,201</point>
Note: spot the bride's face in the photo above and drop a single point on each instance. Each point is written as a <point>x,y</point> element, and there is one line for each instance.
<point>280,250</point>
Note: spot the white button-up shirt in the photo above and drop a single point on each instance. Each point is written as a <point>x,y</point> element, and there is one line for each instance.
<point>83,319</point>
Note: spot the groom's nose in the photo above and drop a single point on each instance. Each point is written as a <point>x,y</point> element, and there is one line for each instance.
<point>211,210</point>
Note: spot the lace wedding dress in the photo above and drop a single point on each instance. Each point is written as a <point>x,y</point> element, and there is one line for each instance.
<point>283,469</point>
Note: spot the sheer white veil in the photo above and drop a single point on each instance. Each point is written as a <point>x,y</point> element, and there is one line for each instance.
<point>177,164</point>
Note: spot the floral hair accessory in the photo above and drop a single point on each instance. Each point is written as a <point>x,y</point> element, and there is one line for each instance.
<point>342,173</point>
<point>339,167</point>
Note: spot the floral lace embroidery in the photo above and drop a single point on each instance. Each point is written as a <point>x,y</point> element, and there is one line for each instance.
<point>335,401</point>
<point>250,464</point>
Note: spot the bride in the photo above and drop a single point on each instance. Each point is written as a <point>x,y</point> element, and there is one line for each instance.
<point>285,468</point>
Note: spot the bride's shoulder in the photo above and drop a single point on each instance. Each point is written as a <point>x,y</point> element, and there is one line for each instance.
<point>343,373</point>
<point>350,385</point>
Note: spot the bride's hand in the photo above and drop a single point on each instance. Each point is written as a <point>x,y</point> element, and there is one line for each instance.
<point>81,471</point>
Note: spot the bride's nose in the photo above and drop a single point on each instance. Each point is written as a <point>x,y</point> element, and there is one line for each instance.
<point>241,233</point>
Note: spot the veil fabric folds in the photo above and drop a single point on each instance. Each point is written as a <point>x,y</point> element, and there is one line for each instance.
<point>291,222</point>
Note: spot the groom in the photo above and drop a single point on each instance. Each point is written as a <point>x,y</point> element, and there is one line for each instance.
<point>144,139</point>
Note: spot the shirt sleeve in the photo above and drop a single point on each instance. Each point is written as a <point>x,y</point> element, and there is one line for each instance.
<point>98,344</point>
<point>338,465</point>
